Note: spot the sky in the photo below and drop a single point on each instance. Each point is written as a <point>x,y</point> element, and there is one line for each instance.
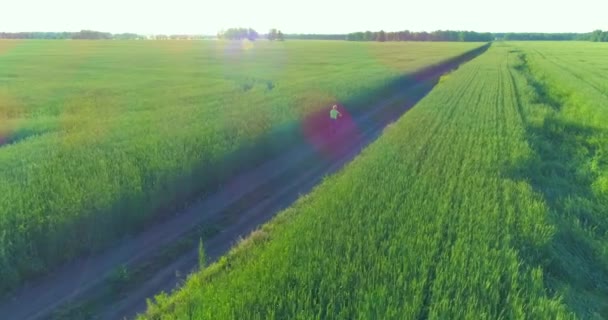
<point>303,16</point>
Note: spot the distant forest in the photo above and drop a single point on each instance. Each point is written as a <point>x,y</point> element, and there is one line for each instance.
<point>95,35</point>
<point>596,36</point>
<point>466,36</point>
<point>420,36</point>
<point>274,34</point>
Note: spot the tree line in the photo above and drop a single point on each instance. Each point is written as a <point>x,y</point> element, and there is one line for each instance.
<point>275,34</point>
<point>597,36</point>
<point>465,36</point>
<point>238,34</point>
<point>527,36</point>
<point>80,35</point>
<point>312,36</point>
<point>440,35</point>
<point>83,34</point>
<point>95,35</point>
<point>250,34</point>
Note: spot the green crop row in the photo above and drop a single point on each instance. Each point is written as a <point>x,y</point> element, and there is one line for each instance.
<point>485,201</point>
<point>569,134</point>
<point>97,138</point>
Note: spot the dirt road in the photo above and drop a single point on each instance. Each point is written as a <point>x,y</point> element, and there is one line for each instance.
<point>240,206</point>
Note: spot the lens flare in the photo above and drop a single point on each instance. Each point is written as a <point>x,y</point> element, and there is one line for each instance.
<point>234,49</point>
<point>326,135</point>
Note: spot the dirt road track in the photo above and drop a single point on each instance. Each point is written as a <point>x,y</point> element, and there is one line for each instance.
<point>244,203</point>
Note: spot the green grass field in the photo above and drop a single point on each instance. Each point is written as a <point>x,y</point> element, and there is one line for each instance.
<point>96,138</point>
<point>488,200</point>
